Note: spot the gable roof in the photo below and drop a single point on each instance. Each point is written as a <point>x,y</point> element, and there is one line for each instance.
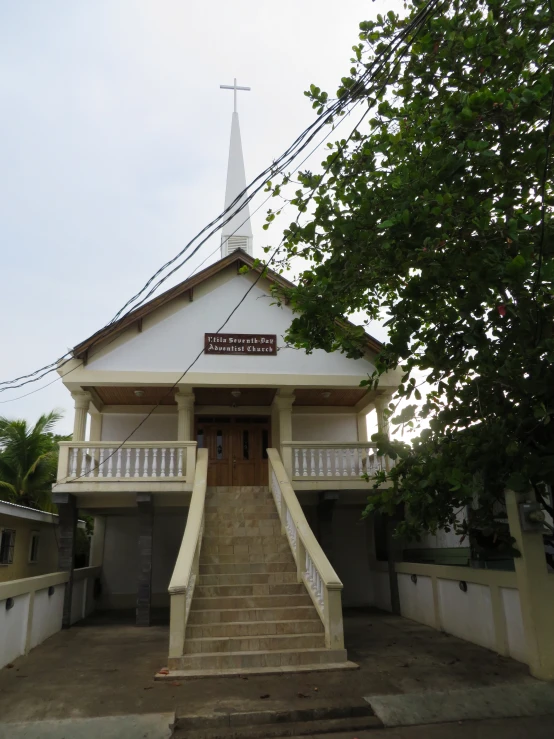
<point>238,257</point>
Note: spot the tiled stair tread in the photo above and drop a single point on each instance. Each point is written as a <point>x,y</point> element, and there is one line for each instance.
<point>260,658</point>
<point>174,674</point>
<point>249,589</point>
<point>228,602</point>
<point>272,642</point>
<point>244,568</point>
<point>247,578</point>
<point>255,628</point>
<point>235,615</point>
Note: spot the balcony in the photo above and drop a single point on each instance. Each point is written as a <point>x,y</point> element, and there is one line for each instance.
<point>103,466</point>
<point>318,465</point>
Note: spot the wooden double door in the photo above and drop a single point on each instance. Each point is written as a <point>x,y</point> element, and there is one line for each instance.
<point>237,449</point>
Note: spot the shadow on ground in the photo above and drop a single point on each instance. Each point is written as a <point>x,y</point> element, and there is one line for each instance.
<point>105,666</point>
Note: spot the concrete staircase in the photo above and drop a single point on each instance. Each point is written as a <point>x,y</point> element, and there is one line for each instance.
<point>248,612</point>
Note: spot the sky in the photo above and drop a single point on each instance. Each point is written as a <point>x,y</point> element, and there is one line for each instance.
<point>114,139</point>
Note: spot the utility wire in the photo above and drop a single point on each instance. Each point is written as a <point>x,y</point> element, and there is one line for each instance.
<point>429,8</point>
<point>243,198</point>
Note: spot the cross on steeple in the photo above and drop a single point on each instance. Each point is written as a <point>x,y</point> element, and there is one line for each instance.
<point>234,87</point>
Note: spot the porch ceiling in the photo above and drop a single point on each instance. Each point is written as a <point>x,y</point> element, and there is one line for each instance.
<point>214,396</point>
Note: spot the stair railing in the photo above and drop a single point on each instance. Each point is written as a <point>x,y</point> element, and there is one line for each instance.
<point>185,573</point>
<point>312,566</point>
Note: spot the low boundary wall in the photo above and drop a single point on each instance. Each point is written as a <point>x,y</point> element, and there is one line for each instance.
<point>31,609</point>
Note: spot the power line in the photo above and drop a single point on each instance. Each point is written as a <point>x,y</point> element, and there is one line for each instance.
<point>431,5</point>
<point>243,198</point>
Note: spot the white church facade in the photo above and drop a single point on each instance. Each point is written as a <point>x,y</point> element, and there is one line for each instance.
<point>224,468</point>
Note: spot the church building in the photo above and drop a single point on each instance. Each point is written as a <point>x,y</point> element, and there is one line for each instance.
<point>223,467</point>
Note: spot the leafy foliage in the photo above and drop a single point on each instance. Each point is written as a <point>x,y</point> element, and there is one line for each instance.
<point>438,215</point>
<point>29,460</point>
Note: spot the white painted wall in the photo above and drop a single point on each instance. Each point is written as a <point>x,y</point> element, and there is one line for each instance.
<point>517,644</point>
<point>47,617</point>
<point>467,615</point>
<point>120,567</point>
<point>416,599</point>
<point>158,427</point>
<point>172,344</point>
<point>13,629</point>
<point>323,427</point>
<point>350,558</point>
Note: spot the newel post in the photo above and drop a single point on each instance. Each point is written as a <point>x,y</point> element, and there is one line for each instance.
<point>332,610</point>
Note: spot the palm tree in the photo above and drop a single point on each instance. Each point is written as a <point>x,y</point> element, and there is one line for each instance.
<point>28,461</point>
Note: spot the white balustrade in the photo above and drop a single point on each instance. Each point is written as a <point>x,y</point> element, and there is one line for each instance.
<point>313,567</point>
<point>101,462</point>
<point>321,460</point>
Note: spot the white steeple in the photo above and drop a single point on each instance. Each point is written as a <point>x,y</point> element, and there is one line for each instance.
<point>237,234</point>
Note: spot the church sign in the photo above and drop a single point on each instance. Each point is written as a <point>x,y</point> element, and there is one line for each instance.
<point>248,344</point>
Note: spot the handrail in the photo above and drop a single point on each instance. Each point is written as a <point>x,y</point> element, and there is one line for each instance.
<point>183,580</point>
<point>333,444</point>
<point>312,566</point>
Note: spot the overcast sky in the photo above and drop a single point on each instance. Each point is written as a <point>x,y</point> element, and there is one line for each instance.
<point>113,147</point>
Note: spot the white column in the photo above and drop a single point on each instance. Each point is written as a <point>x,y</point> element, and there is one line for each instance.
<point>82,403</point>
<point>185,414</point>
<point>283,402</point>
<point>97,542</point>
<point>381,404</point>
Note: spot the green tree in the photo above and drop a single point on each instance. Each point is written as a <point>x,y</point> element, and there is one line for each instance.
<point>437,214</point>
<point>28,461</point>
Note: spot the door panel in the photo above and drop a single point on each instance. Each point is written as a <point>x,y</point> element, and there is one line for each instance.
<point>236,451</point>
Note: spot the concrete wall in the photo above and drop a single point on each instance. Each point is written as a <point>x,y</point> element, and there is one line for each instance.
<point>120,571</point>
<point>324,427</point>
<point>47,551</point>
<point>31,609</point>
<point>158,427</point>
<point>485,611</point>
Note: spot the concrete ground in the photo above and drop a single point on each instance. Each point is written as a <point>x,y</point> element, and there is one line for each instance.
<point>105,668</point>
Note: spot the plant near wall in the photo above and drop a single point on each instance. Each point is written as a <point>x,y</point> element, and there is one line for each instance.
<point>29,460</point>
<point>437,214</point>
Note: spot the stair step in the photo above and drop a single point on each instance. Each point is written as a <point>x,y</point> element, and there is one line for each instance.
<point>249,601</point>
<point>342,728</point>
<point>241,568</point>
<point>238,615</point>
<point>225,591</point>
<point>214,559</point>
<point>266,643</point>
<point>285,657</point>
<point>248,578</point>
<point>215,548</point>
<point>253,628</point>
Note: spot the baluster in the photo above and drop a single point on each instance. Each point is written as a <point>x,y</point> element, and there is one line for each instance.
<point>296,463</point>
<point>307,564</point>
<point>353,462</point>
<point>92,452</point>
<point>83,462</point>
<point>172,462</point>
<point>154,461</point>
<point>320,470</point>
<point>304,463</point>
<point>162,464</point>
<point>100,463</point>
<point>128,462</point>
<point>110,462</point>
<point>74,453</point>
<point>329,465</point>
<point>345,462</point>
<point>312,462</point>
<point>137,462</point>
<point>118,464</point>
<point>337,462</point>
<point>180,463</point>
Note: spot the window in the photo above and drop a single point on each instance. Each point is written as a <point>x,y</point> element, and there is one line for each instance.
<point>33,548</point>
<point>7,543</point>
